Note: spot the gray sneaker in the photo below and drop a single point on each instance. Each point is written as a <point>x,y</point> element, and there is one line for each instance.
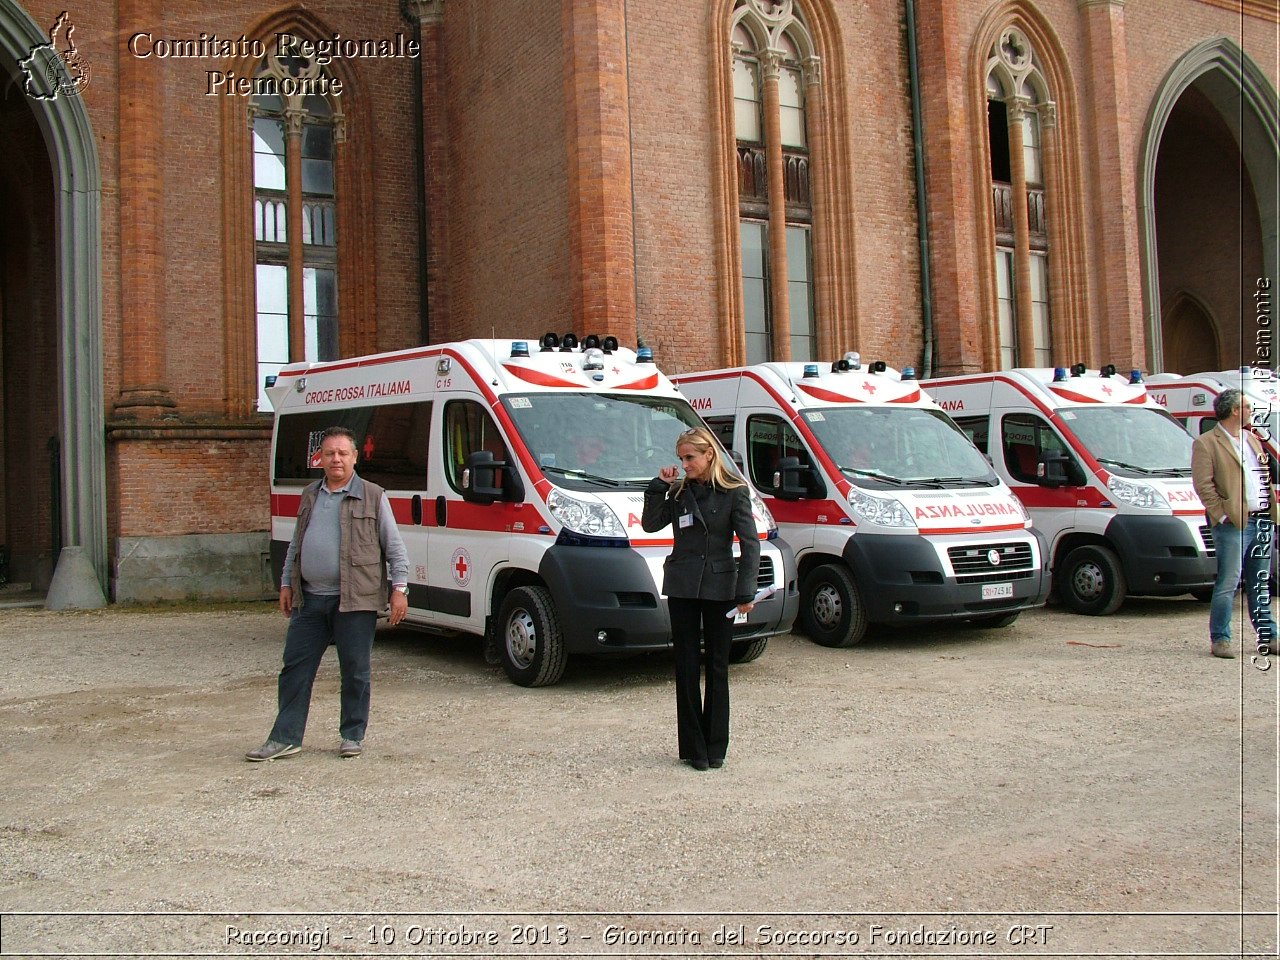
<point>272,750</point>
<point>350,748</point>
<point>1222,648</point>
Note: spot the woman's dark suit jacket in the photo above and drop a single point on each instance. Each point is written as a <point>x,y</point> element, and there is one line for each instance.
<point>701,565</point>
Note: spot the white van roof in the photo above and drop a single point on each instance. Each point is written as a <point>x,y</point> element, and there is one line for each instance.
<point>499,366</point>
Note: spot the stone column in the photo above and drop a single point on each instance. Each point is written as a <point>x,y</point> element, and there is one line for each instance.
<point>1026,356</point>
<point>144,394</point>
<point>293,117</point>
<point>779,301</point>
<point>598,124</point>
<point>827,338</point>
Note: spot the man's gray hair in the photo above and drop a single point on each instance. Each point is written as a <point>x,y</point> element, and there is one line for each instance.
<point>1226,403</point>
<point>337,431</point>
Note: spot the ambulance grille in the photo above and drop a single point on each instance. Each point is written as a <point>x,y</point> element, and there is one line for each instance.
<point>1206,537</point>
<point>973,564</point>
<point>765,577</point>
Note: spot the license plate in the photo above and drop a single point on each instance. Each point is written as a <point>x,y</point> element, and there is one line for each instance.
<point>997,591</point>
<point>739,618</point>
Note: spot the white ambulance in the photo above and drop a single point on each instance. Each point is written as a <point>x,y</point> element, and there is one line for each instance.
<point>893,515</point>
<point>1103,470</point>
<point>1190,399</point>
<point>516,471</point>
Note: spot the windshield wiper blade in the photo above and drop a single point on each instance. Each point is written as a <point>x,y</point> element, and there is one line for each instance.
<point>582,475</point>
<point>1127,466</point>
<point>946,481</point>
<point>873,474</point>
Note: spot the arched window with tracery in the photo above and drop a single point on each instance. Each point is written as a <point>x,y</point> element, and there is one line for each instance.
<point>773,66</point>
<point>1018,110</point>
<point>295,135</point>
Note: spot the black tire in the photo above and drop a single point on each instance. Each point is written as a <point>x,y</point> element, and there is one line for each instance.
<point>1091,582</point>
<point>831,608</point>
<point>1203,594</point>
<point>994,620</point>
<point>530,642</point>
<point>744,651</point>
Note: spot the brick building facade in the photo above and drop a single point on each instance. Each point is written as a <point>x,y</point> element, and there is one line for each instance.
<point>189,203</point>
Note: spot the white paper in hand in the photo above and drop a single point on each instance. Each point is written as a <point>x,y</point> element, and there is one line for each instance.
<point>761,594</point>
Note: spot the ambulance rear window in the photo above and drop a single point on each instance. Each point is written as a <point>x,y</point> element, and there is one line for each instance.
<point>392,439</point>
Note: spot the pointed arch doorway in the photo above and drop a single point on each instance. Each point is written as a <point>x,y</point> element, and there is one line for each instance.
<point>52,442</point>
<point>1208,204</point>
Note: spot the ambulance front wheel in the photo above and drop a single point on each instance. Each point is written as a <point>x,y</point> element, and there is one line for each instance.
<point>1091,581</point>
<point>831,608</point>
<point>529,638</point>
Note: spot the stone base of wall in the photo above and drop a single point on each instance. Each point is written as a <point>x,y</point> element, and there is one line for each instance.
<point>207,566</point>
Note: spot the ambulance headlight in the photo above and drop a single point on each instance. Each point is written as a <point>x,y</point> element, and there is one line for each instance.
<point>760,510</point>
<point>584,516</point>
<point>1137,494</point>
<point>886,511</point>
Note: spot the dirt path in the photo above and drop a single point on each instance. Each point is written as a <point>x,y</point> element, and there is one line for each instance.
<point>1069,772</point>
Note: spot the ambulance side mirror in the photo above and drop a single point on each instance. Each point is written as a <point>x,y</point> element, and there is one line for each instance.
<point>791,481</point>
<point>486,480</point>
<point>736,457</point>
<point>1057,469</point>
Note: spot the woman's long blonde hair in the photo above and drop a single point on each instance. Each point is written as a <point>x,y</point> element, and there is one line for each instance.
<point>702,440</point>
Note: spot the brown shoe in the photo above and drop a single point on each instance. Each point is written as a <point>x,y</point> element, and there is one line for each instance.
<point>1222,648</point>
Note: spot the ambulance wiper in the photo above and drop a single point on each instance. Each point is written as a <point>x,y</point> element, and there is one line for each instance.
<point>1127,466</point>
<point>947,481</point>
<point>580,475</point>
<point>873,474</point>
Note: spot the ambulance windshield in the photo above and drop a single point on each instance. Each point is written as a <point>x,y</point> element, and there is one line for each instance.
<point>1132,441</point>
<point>589,441</point>
<point>900,446</point>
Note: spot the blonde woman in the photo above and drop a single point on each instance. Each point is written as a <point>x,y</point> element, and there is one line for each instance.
<point>705,508</point>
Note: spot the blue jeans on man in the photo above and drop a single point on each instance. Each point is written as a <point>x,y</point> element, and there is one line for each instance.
<point>314,624</point>
<point>1246,551</point>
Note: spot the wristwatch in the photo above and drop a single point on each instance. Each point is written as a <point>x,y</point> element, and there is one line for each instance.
<point>402,587</point>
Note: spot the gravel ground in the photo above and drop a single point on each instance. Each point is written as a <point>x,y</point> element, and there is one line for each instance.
<point>940,793</point>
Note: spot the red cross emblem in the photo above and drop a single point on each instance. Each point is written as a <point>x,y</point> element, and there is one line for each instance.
<point>461,564</point>
<point>870,388</point>
<point>368,447</point>
<point>1106,390</point>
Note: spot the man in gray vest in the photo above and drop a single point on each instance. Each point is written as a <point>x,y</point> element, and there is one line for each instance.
<point>332,588</point>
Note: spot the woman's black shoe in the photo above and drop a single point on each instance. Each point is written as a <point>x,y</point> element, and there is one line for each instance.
<point>698,764</point>
<point>715,764</point>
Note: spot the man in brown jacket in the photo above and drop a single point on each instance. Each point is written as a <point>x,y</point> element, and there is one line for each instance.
<point>1231,473</point>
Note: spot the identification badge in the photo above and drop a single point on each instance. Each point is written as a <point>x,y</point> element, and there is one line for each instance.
<point>686,520</point>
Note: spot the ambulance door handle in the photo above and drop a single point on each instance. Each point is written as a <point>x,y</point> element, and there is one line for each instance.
<point>440,515</point>
<point>415,507</point>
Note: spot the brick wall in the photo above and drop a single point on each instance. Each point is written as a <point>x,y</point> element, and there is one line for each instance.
<point>501,204</point>
<point>186,487</point>
<point>507,205</point>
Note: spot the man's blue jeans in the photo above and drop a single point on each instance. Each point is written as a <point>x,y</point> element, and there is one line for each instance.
<point>314,624</point>
<point>1247,551</point>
